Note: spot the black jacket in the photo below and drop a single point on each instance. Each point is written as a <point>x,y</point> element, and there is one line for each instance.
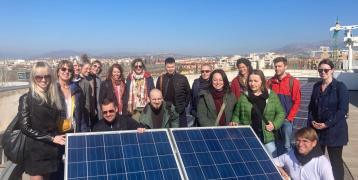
<point>107,92</point>
<point>38,122</point>
<point>181,90</point>
<point>121,122</point>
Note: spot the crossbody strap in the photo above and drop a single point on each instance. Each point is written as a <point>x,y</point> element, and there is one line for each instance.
<point>220,114</point>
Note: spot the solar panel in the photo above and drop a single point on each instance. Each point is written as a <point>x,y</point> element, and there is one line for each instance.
<point>121,155</point>
<point>223,153</point>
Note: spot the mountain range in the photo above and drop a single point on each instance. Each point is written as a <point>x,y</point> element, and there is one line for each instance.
<point>293,49</point>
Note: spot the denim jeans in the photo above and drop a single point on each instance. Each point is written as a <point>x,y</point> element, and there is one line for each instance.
<point>271,149</point>
<point>286,142</point>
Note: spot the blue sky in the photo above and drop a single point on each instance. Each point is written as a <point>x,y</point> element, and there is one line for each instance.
<point>182,26</point>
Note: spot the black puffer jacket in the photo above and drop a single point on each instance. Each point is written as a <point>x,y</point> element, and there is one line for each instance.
<point>38,122</point>
<point>181,89</point>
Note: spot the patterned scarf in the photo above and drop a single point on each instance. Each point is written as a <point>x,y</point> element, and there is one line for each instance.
<point>118,89</point>
<point>138,96</point>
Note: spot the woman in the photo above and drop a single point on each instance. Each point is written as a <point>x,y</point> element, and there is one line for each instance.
<point>260,108</point>
<point>212,101</point>
<point>306,160</point>
<point>72,98</point>
<point>138,86</point>
<point>239,83</point>
<point>114,87</point>
<point>38,113</point>
<point>327,114</point>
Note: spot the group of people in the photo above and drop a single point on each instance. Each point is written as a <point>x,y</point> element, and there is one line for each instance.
<point>76,92</point>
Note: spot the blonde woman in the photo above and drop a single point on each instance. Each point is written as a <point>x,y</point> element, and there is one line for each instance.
<point>38,113</point>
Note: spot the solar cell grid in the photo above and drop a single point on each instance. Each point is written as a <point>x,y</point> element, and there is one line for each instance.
<point>121,155</point>
<point>223,153</point>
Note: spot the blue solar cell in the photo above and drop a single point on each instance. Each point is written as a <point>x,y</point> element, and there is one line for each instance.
<point>247,155</point>
<point>144,138</point>
<point>77,170</point>
<point>76,142</point>
<point>226,171</point>
<point>112,140</point>
<point>253,143</point>
<point>274,176</point>
<point>240,169</point>
<point>136,176</point>
<point>172,174</point>
<point>210,172</point>
<point>204,159</point>
<point>241,144</point>
<point>195,173</point>
<point>190,160</point>
<point>254,167</point>
<point>148,150</point>
<point>129,138</point>
<point>213,145</point>
<point>234,156</point>
<point>208,134</point>
<point>94,141</point>
<point>160,137</point>
<point>200,146</point>
<point>195,135</point>
<point>154,175</point>
<point>219,157</point>
<point>77,155</point>
<point>227,144</point>
<point>131,151</point>
<point>167,162</point>
<point>115,167</point>
<point>151,163</point>
<point>95,154</point>
<point>96,168</point>
<point>114,152</point>
<point>185,147</point>
<point>222,134</point>
<point>117,177</point>
<point>163,148</point>
<point>260,154</point>
<point>134,164</point>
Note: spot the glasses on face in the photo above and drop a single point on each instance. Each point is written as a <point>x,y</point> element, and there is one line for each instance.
<point>138,66</point>
<point>63,69</point>
<point>205,71</point>
<point>39,78</point>
<point>324,70</point>
<point>97,66</point>
<point>109,111</point>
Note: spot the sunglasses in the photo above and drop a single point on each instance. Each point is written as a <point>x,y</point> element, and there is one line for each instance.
<point>138,66</point>
<point>109,111</point>
<point>325,70</point>
<point>63,69</point>
<point>40,78</point>
<point>205,71</point>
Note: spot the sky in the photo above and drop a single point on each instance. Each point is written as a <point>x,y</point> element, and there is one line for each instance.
<point>165,26</point>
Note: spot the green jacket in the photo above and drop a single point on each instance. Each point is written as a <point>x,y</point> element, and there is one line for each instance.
<point>170,116</point>
<point>206,110</point>
<point>273,112</point>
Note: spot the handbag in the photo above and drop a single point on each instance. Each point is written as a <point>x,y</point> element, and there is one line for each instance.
<point>13,142</point>
<point>65,125</point>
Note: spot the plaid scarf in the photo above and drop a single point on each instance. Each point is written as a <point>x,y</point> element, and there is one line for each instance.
<point>138,96</point>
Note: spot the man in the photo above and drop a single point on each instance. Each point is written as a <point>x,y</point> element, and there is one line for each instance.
<point>288,89</point>
<point>199,84</point>
<point>175,89</point>
<point>96,69</point>
<point>306,160</point>
<point>158,113</point>
<point>138,86</point>
<point>112,121</point>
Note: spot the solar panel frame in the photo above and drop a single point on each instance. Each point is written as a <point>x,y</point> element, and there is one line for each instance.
<point>170,141</point>
<point>179,154</point>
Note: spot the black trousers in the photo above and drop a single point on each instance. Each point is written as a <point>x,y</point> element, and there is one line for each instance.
<point>182,120</point>
<point>335,156</point>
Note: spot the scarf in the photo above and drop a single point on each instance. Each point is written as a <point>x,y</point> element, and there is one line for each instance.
<point>218,97</point>
<point>256,119</point>
<point>304,159</point>
<point>118,89</point>
<point>242,83</point>
<point>203,84</point>
<point>138,91</point>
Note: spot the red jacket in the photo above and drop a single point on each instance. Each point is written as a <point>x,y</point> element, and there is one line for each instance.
<point>290,102</point>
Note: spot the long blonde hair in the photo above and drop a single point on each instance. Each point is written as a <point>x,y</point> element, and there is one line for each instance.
<point>51,96</point>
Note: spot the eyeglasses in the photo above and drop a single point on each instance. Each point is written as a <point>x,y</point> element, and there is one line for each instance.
<point>40,78</point>
<point>109,111</point>
<point>138,66</point>
<point>97,66</point>
<point>63,69</point>
<point>325,70</point>
<point>205,71</point>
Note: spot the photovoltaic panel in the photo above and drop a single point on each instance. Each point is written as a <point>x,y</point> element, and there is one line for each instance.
<point>223,153</point>
<point>121,155</point>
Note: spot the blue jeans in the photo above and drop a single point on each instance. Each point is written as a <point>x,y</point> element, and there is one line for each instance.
<point>271,149</point>
<point>286,142</point>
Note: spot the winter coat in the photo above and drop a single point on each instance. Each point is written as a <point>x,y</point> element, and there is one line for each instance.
<point>170,116</point>
<point>207,113</point>
<point>330,107</point>
<point>273,112</point>
<point>107,92</point>
<point>37,121</point>
<point>87,94</point>
<point>290,98</point>
<point>81,123</point>
<point>181,90</point>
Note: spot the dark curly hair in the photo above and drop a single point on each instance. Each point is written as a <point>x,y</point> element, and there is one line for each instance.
<point>226,87</point>
<point>110,71</point>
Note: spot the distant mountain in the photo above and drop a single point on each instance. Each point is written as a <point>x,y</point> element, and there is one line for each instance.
<point>59,54</point>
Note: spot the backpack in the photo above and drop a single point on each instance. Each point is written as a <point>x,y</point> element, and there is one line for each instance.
<point>292,79</point>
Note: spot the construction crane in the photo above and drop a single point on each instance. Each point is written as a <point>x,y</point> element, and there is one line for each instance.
<point>349,40</point>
